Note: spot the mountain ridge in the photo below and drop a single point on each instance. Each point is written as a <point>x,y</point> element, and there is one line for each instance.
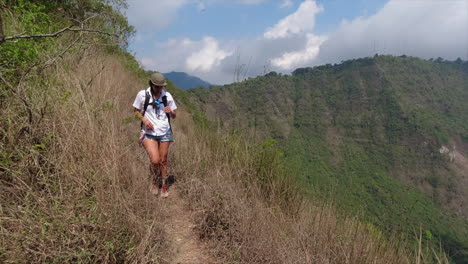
<point>186,81</point>
<point>369,128</point>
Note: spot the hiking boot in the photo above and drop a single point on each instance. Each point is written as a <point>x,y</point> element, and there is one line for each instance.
<point>164,191</point>
<point>154,188</point>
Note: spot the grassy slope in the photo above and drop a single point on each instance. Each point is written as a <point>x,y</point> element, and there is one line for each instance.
<point>66,139</point>
<point>351,130</point>
<point>379,129</point>
<point>248,210</point>
<point>65,186</point>
<point>70,193</point>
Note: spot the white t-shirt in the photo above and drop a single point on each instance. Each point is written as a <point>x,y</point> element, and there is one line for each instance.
<point>157,116</point>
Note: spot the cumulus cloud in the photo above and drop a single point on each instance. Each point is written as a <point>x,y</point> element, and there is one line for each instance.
<point>255,56</point>
<point>420,28</point>
<point>289,60</point>
<point>301,21</point>
<point>218,61</point>
<point>424,28</point>
<point>209,56</point>
<point>198,57</point>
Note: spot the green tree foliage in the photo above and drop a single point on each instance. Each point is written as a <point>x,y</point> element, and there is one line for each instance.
<point>33,19</point>
<point>22,59</point>
<point>25,18</point>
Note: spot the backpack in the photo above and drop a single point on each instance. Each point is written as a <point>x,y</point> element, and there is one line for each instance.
<point>145,106</point>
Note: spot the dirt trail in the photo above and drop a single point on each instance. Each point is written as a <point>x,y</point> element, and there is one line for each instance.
<point>187,248</point>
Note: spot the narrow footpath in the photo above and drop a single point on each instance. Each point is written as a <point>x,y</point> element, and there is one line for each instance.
<point>187,248</point>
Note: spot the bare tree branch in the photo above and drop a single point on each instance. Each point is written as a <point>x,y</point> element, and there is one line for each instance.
<point>58,33</point>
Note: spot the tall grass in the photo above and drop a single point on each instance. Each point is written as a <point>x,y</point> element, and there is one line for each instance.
<point>74,186</point>
<point>250,210</point>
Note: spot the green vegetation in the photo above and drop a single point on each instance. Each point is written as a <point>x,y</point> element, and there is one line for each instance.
<point>248,209</point>
<point>366,133</point>
<point>355,133</point>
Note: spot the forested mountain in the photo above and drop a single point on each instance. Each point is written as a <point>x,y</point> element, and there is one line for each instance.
<point>185,81</point>
<point>386,137</point>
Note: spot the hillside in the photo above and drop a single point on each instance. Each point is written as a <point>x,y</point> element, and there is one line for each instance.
<point>74,185</point>
<point>185,81</point>
<point>385,137</point>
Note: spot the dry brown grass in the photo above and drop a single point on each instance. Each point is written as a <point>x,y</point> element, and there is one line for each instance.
<point>74,187</point>
<point>246,219</point>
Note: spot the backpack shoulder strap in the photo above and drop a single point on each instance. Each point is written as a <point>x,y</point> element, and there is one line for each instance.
<point>164,101</point>
<point>147,99</point>
<point>145,106</point>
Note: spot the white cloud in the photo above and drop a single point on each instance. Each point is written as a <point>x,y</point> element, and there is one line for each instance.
<point>301,21</point>
<point>216,61</point>
<point>198,57</point>
<point>423,28</point>
<point>209,56</point>
<point>289,60</point>
<point>286,3</point>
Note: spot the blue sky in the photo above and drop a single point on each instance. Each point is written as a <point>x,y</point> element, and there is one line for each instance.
<point>223,41</point>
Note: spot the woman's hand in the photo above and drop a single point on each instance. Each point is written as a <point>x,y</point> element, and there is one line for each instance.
<point>168,110</point>
<point>147,123</point>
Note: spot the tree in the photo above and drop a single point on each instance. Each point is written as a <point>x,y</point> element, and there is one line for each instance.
<point>78,23</point>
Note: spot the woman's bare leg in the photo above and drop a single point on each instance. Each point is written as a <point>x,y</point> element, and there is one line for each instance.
<point>151,147</point>
<point>163,151</point>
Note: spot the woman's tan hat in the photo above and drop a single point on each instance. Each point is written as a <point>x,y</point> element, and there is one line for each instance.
<point>158,79</point>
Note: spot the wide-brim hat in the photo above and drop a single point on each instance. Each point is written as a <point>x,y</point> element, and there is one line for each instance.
<point>158,79</point>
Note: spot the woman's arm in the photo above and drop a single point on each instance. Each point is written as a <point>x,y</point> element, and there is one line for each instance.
<point>171,112</point>
<point>138,114</point>
<point>143,119</point>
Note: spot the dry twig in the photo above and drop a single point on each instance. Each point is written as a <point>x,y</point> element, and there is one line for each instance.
<point>56,34</point>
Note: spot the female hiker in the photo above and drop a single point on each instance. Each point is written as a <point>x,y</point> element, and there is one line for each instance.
<point>155,107</point>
